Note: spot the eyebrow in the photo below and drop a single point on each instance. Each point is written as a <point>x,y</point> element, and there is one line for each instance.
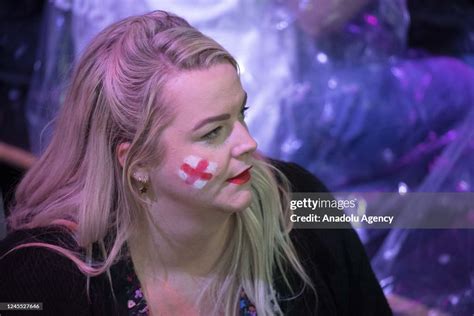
<point>221,117</point>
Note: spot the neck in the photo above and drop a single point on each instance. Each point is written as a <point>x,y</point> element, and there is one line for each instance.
<point>181,241</point>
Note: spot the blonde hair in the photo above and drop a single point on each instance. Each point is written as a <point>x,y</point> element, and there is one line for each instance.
<point>116,96</point>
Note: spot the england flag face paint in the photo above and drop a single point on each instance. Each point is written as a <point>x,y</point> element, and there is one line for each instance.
<point>196,171</point>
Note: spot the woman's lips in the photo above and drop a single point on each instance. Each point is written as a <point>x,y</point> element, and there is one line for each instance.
<point>241,178</point>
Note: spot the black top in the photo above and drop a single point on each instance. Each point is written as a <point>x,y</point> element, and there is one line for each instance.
<point>334,259</point>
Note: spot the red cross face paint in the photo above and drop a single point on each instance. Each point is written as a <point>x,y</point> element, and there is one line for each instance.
<point>196,171</point>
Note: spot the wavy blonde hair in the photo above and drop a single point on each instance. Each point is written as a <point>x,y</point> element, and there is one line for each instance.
<point>116,96</point>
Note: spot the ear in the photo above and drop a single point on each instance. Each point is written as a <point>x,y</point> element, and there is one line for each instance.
<point>139,175</point>
<point>122,151</point>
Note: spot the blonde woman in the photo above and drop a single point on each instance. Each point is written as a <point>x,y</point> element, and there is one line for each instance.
<point>151,199</point>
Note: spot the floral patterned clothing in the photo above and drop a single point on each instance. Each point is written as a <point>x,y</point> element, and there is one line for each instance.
<point>137,305</point>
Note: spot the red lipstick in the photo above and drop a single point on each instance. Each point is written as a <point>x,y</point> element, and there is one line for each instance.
<point>241,178</point>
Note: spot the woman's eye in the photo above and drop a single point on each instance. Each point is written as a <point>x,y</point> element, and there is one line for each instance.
<point>243,111</point>
<point>212,134</point>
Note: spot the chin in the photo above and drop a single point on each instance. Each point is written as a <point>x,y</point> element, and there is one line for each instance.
<point>238,203</point>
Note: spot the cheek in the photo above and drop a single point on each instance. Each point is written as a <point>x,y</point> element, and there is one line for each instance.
<point>196,171</point>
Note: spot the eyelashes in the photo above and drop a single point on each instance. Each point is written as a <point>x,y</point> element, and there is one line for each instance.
<point>216,132</point>
<point>213,134</point>
<point>243,111</point>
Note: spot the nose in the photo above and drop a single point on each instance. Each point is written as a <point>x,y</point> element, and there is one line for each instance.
<point>244,142</point>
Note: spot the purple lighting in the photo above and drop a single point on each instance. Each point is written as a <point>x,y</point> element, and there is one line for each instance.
<point>370,19</point>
